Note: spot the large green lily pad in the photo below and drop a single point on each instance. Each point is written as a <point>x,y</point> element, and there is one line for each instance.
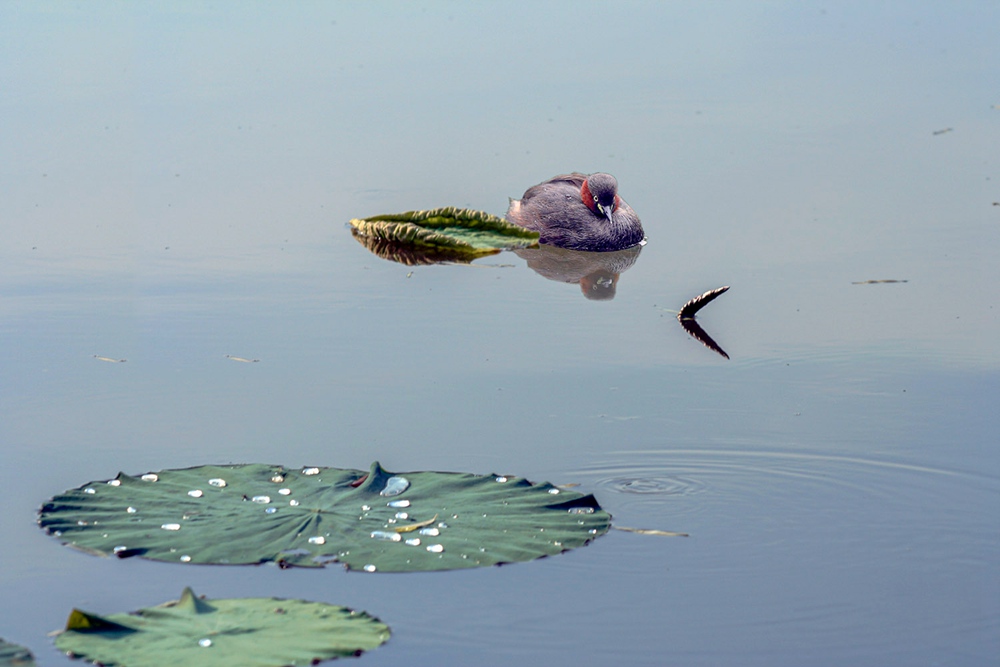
<point>460,232</point>
<point>12,655</point>
<point>247,632</point>
<point>375,521</point>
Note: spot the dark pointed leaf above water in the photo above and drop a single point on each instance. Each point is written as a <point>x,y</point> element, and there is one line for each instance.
<point>12,655</point>
<point>449,234</point>
<point>243,632</point>
<point>691,308</point>
<point>375,520</point>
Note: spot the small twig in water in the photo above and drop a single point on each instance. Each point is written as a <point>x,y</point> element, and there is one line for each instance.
<point>650,531</point>
<point>245,361</point>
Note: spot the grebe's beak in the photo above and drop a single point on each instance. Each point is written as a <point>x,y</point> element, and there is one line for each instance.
<point>606,211</point>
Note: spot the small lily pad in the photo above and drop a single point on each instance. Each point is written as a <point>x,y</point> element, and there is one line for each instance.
<point>242,632</point>
<point>459,232</point>
<point>12,655</point>
<point>373,521</point>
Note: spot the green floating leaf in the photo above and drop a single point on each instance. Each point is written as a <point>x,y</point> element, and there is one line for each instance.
<point>245,632</point>
<point>459,232</point>
<point>375,521</point>
<point>12,655</point>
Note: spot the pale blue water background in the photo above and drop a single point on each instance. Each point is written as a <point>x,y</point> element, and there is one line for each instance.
<point>174,187</point>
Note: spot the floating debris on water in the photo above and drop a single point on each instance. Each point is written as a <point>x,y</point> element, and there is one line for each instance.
<point>650,531</point>
<point>241,359</point>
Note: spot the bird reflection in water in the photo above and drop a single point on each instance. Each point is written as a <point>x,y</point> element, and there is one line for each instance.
<point>597,273</point>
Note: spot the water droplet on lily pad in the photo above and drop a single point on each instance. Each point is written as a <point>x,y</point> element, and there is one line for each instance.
<point>217,481</point>
<point>394,486</point>
<point>285,492</point>
<point>397,503</point>
<point>435,548</point>
<point>171,526</point>
<point>205,643</point>
<point>501,479</point>
<point>369,568</point>
<point>150,477</point>
<point>262,500</point>
<point>430,532</point>
<point>196,493</point>
<point>386,535</point>
<point>114,482</point>
<point>319,539</point>
<point>310,471</point>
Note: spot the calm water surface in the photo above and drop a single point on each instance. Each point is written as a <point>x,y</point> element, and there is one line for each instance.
<point>175,186</point>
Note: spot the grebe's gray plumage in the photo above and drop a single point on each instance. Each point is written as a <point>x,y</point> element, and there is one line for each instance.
<point>579,212</point>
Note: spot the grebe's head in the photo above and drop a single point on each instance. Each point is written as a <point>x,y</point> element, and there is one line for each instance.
<point>600,194</point>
